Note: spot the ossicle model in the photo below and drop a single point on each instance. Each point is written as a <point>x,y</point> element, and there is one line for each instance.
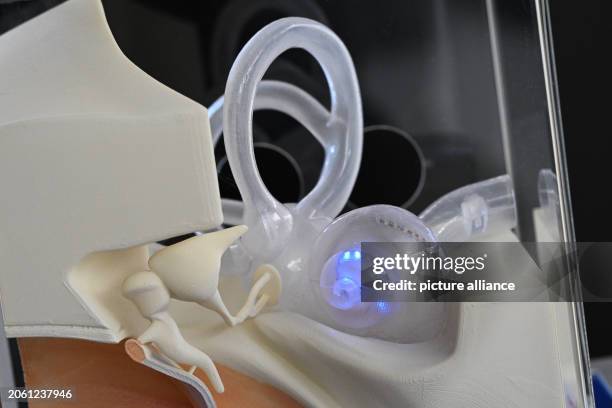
<point>151,297</point>
<point>189,271</point>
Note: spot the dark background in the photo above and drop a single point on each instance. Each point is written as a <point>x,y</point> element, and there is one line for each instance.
<point>582,46</point>
<point>179,43</point>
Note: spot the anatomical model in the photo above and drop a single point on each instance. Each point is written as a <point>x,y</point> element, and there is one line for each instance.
<point>151,297</point>
<point>103,153</point>
<point>191,270</point>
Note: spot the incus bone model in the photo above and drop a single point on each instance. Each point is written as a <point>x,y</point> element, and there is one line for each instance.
<point>189,271</point>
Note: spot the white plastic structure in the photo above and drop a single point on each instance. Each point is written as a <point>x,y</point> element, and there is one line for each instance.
<point>150,295</point>
<point>93,155</point>
<point>151,356</point>
<point>457,216</point>
<point>466,214</point>
<point>190,270</point>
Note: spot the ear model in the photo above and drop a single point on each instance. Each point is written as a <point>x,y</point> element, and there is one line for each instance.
<point>150,295</point>
<point>190,270</point>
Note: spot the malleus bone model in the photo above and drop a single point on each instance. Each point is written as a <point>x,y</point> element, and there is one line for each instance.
<point>320,344</point>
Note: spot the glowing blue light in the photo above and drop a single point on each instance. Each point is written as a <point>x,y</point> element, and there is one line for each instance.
<point>345,294</point>
<point>350,255</point>
<point>345,290</point>
<point>383,307</point>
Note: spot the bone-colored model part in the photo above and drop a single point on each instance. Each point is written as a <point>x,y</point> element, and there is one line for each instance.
<point>266,289</point>
<point>190,271</point>
<point>93,155</point>
<point>152,358</point>
<point>150,295</point>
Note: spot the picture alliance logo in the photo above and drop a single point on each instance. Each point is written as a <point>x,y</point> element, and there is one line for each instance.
<point>428,263</point>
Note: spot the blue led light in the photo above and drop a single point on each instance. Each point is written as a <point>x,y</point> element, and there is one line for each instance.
<point>346,294</point>
<point>383,307</point>
<point>345,291</point>
<point>350,255</point>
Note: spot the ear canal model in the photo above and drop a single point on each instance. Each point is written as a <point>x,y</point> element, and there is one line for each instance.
<point>190,271</point>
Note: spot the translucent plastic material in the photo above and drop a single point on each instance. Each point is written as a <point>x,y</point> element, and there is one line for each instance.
<point>271,224</point>
<point>318,257</point>
<point>281,97</point>
<point>484,207</point>
<point>328,288</point>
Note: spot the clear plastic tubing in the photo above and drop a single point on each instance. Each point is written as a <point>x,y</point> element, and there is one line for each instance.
<point>458,216</point>
<point>281,97</point>
<point>484,207</point>
<point>277,96</point>
<point>271,223</point>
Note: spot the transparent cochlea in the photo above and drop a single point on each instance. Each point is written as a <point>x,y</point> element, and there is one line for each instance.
<point>468,213</point>
<point>152,298</point>
<point>335,274</point>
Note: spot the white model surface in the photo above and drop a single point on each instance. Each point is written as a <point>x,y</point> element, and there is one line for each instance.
<point>95,155</point>
<point>151,296</point>
<point>190,270</point>
<point>152,358</point>
<point>484,354</point>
